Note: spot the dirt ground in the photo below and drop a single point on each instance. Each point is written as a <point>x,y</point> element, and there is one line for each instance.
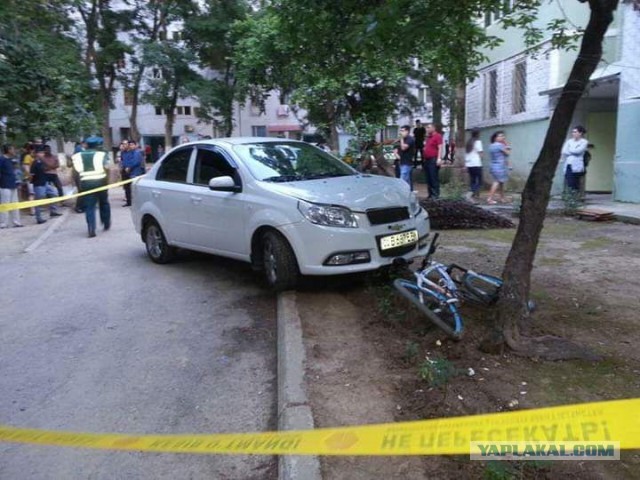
<point>366,347</point>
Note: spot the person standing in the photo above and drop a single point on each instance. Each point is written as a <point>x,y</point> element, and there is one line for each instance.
<point>91,168</point>
<point>499,150</point>
<point>406,152</point>
<point>132,166</point>
<point>433,153</point>
<point>39,180</point>
<point>573,153</point>
<point>473,162</point>
<point>419,134</point>
<point>52,163</point>
<point>26,161</point>
<point>9,183</point>
<point>160,152</point>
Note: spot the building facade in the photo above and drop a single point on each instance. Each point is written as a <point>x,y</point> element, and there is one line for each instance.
<point>517,92</point>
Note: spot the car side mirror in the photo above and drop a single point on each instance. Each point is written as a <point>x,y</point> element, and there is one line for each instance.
<point>224,184</point>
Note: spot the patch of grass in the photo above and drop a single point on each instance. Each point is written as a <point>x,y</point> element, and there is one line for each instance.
<point>386,304</point>
<point>500,235</point>
<point>411,351</point>
<point>565,382</point>
<point>437,371</point>
<point>514,470</point>
<point>540,295</point>
<point>596,243</point>
<point>551,261</point>
<point>562,230</point>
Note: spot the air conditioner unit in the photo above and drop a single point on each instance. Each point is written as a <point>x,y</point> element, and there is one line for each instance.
<point>189,128</point>
<point>283,111</point>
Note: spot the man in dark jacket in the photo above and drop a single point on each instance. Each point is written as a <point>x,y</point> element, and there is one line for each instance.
<point>132,166</point>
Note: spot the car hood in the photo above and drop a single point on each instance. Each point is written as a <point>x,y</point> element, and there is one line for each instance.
<point>356,192</point>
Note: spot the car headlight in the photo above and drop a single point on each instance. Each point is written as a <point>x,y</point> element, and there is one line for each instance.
<point>414,204</point>
<point>328,215</point>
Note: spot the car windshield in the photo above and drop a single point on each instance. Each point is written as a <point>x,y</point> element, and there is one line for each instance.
<point>290,162</point>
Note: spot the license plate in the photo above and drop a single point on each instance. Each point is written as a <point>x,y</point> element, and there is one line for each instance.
<point>398,240</point>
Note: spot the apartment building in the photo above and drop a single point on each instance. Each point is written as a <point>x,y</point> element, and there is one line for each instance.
<point>517,92</point>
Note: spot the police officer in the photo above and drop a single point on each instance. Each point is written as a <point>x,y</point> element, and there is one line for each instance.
<point>90,165</point>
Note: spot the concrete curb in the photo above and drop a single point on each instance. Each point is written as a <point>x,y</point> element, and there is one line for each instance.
<point>48,232</point>
<point>294,411</point>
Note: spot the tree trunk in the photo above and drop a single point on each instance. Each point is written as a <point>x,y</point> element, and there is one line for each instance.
<point>460,115</point>
<point>133,116</point>
<point>105,108</point>
<point>334,141</point>
<point>168,130</point>
<point>512,303</point>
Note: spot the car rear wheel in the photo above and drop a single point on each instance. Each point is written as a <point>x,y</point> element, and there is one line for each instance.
<point>158,249</point>
<point>279,262</point>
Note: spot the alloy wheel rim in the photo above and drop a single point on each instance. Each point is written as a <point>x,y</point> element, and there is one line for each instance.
<point>154,242</point>
<point>270,263</point>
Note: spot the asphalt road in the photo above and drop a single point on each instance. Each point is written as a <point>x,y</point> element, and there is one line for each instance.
<point>96,338</point>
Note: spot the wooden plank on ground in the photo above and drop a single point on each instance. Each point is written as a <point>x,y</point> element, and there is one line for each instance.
<point>594,214</point>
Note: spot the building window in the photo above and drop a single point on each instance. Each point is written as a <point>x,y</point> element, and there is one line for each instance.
<point>156,73</point>
<point>490,103</point>
<point>187,110</point>
<point>259,131</point>
<point>128,96</point>
<point>158,111</point>
<point>179,110</point>
<point>423,95</point>
<point>494,16</point>
<point>391,131</point>
<point>162,35</point>
<point>520,87</point>
<point>196,111</point>
<point>256,108</point>
<point>121,63</point>
<point>176,36</point>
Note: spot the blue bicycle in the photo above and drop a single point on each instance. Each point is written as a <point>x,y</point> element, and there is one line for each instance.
<point>438,290</point>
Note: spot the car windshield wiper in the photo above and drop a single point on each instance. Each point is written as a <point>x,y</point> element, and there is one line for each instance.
<point>283,178</point>
<point>313,176</point>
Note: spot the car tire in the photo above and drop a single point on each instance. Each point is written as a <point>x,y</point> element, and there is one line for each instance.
<point>158,249</point>
<point>279,262</point>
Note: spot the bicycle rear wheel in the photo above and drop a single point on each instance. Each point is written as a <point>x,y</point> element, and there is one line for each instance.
<point>442,314</point>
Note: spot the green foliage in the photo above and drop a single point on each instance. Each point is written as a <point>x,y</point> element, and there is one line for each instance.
<point>213,35</point>
<point>44,88</point>
<point>572,202</point>
<point>453,187</point>
<point>437,371</point>
<point>502,470</point>
<point>411,351</point>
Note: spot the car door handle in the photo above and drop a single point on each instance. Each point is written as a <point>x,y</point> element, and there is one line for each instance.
<point>155,193</point>
<point>196,200</point>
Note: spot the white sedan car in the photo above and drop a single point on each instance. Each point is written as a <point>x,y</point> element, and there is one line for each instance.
<point>285,206</point>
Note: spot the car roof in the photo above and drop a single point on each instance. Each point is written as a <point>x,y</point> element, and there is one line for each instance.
<point>241,141</point>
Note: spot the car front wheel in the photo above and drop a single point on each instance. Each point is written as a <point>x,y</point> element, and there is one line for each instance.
<point>279,262</point>
<point>158,249</point>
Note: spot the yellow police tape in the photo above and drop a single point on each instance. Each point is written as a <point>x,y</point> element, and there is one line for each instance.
<point>7,207</point>
<point>614,421</point>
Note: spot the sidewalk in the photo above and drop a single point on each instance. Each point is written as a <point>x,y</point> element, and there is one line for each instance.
<point>623,212</point>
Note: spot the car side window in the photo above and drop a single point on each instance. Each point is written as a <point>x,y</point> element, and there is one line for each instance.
<point>211,164</point>
<point>174,168</point>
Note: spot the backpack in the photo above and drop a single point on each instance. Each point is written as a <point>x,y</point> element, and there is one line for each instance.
<point>586,158</point>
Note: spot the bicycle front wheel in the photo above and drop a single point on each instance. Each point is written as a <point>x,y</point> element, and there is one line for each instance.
<point>442,314</point>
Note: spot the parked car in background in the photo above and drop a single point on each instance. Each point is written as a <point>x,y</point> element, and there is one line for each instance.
<point>285,206</point>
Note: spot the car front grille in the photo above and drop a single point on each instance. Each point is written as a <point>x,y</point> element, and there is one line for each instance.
<point>380,216</point>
